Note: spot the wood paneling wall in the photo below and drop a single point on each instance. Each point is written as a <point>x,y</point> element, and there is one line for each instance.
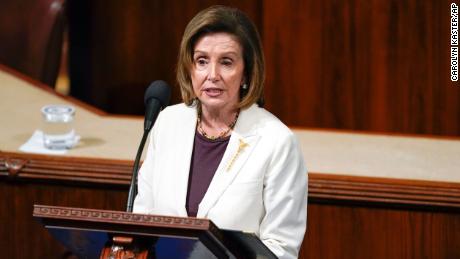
<point>31,34</point>
<point>347,231</point>
<point>380,65</point>
<point>367,65</point>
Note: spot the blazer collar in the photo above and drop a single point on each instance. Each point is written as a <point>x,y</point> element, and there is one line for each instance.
<point>241,144</point>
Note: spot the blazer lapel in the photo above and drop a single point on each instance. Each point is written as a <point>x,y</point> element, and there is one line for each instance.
<point>241,144</point>
<point>183,147</point>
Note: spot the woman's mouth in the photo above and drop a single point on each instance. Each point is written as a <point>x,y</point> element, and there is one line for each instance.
<point>213,92</point>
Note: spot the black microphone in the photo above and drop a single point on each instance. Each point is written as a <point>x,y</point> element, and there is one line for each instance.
<point>156,98</point>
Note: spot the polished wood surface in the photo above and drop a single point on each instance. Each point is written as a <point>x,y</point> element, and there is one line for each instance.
<point>102,136</point>
<point>362,65</point>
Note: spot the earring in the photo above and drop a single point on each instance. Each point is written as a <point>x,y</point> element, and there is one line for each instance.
<point>245,86</point>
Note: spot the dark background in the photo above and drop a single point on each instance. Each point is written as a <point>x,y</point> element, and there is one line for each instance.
<point>368,65</point>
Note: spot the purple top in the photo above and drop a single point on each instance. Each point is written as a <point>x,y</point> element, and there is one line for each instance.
<point>206,157</point>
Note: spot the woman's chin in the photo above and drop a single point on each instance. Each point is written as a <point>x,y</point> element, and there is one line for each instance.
<point>214,103</point>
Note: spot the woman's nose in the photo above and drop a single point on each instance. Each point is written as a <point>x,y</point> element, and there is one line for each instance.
<point>213,73</point>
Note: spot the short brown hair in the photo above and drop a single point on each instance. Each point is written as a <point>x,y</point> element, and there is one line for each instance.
<point>231,20</point>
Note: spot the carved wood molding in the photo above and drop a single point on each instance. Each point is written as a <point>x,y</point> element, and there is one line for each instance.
<point>120,217</point>
<point>65,169</point>
<point>329,187</point>
<point>13,166</point>
<point>322,187</point>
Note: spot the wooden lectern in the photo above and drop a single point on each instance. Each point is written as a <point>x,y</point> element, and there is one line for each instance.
<point>90,233</point>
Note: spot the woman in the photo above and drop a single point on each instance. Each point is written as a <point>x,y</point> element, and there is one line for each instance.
<point>219,155</point>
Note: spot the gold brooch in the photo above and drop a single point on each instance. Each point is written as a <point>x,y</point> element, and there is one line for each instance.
<point>240,149</point>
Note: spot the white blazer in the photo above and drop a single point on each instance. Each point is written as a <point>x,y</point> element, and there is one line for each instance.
<point>261,188</point>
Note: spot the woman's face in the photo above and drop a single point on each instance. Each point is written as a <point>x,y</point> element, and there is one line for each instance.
<point>217,71</point>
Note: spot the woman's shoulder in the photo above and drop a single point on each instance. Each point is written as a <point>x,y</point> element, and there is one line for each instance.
<point>174,115</point>
<point>178,109</point>
<point>265,122</point>
<point>274,134</point>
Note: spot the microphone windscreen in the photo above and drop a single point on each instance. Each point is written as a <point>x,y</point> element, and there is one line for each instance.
<point>159,90</point>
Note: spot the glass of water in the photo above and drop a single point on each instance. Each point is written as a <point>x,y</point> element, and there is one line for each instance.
<point>57,126</point>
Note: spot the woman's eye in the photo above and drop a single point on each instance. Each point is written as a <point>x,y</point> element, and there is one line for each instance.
<point>227,62</point>
<point>201,61</point>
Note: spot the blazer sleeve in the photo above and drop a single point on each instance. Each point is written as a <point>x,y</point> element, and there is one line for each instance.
<point>285,199</point>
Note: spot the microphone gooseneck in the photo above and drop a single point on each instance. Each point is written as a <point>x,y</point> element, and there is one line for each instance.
<point>156,98</point>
